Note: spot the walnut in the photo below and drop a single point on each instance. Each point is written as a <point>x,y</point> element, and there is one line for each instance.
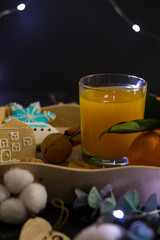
<point>56,148</point>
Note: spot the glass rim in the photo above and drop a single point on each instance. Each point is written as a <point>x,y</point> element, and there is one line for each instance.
<point>113,74</point>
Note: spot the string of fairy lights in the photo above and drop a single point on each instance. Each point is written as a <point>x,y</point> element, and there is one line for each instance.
<point>117,9</point>
<point>19,7</point>
<point>134,26</point>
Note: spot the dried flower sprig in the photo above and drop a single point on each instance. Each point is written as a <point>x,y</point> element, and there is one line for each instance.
<point>126,211</point>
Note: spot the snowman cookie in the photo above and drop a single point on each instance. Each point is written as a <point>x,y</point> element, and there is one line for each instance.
<point>42,130</point>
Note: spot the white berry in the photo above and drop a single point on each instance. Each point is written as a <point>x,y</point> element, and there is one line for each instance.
<point>12,210</point>
<point>34,197</point>
<point>16,179</point>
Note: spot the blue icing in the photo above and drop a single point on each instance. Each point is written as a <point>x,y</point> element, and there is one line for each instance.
<point>31,113</point>
<point>38,126</point>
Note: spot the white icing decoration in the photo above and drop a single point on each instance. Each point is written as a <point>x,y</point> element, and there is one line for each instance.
<point>6,153</point>
<point>16,147</point>
<point>27,141</point>
<point>16,106</point>
<point>3,142</point>
<point>14,135</point>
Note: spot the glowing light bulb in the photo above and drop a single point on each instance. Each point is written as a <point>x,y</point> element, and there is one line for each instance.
<point>136,27</point>
<point>21,7</point>
<point>118,214</point>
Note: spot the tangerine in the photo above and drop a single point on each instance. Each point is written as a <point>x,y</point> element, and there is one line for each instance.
<point>145,149</point>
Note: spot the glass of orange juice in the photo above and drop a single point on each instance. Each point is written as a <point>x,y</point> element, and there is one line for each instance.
<point>105,100</point>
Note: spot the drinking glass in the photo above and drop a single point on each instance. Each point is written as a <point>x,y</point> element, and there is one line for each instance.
<point>105,100</point>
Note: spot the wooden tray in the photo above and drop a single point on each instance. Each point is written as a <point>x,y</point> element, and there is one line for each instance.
<point>61,181</point>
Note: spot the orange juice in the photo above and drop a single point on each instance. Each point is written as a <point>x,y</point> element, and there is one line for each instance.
<point>100,109</point>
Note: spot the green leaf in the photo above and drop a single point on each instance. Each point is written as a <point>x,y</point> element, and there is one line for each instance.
<point>139,125</point>
<point>151,203</point>
<point>94,198</point>
<point>80,202</point>
<point>113,198</point>
<point>152,107</point>
<point>82,199</point>
<point>107,207</point>
<point>79,192</point>
<point>108,204</point>
<point>128,202</point>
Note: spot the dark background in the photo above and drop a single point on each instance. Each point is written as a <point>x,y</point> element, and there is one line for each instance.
<point>48,47</point>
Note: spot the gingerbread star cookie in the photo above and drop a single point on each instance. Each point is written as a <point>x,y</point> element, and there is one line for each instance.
<point>31,113</point>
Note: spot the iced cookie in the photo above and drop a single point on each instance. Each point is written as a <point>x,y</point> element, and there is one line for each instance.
<point>31,113</point>
<point>17,141</point>
<point>42,130</point>
<point>37,120</point>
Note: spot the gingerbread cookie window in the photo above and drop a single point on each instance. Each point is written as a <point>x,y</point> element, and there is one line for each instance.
<point>5,155</point>
<point>16,147</point>
<point>3,142</point>
<point>14,135</point>
<point>27,141</point>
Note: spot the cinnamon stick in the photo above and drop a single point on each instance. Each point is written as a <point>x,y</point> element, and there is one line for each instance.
<point>76,139</point>
<point>74,135</point>
<point>72,131</point>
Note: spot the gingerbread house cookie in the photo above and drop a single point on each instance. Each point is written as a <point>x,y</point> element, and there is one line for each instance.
<point>17,141</point>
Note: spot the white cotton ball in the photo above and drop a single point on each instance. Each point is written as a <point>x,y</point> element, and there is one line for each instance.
<point>4,193</point>
<point>34,197</point>
<point>105,231</point>
<point>16,179</point>
<point>12,210</point>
